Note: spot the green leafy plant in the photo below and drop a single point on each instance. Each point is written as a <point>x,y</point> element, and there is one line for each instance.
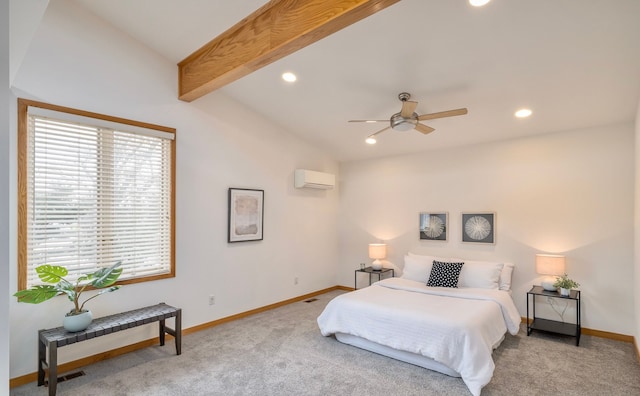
<point>565,282</point>
<point>104,277</point>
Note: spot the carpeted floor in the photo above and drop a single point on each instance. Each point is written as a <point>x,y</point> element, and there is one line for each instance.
<point>281,352</point>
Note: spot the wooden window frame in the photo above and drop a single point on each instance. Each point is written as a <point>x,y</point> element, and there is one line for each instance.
<point>23,119</point>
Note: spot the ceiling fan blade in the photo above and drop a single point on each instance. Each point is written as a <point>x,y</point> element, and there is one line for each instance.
<point>442,114</point>
<point>408,107</point>
<point>380,131</point>
<point>423,128</point>
<point>369,121</point>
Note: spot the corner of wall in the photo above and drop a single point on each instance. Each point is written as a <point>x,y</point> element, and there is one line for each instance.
<point>5,95</point>
<point>637,230</point>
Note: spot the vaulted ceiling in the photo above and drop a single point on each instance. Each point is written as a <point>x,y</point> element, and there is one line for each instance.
<point>574,63</point>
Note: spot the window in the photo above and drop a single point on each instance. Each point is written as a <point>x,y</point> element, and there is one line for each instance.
<point>94,190</point>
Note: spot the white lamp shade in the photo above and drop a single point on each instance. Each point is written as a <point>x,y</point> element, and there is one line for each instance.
<point>377,251</point>
<point>551,265</point>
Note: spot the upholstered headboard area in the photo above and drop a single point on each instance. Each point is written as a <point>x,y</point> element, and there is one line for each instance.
<point>474,273</point>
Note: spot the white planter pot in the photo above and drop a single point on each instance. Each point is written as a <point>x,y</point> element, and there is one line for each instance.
<point>77,322</point>
<point>564,292</point>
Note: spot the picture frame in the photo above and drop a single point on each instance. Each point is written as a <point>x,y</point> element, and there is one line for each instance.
<point>246,215</point>
<point>434,226</point>
<point>479,227</point>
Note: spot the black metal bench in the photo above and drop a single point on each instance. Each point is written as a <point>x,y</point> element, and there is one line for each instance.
<point>59,337</point>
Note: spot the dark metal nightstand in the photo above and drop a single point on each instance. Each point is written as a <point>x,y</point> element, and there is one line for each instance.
<point>553,326</point>
<point>371,272</point>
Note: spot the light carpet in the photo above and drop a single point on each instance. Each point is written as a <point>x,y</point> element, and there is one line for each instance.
<point>281,352</point>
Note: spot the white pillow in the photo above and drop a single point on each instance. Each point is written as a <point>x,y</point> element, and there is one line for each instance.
<point>505,276</point>
<point>418,267</point>
<point>480,274</point>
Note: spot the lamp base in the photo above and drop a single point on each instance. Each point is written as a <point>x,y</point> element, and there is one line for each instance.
<point>547,283</point>
<point>376,265</point>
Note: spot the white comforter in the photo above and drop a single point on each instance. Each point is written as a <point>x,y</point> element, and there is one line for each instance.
<point>456,327</point>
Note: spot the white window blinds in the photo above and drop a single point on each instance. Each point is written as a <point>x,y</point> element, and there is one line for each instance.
<point>98,194</point>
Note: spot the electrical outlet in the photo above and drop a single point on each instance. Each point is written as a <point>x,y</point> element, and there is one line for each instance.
<point>295,280</point>
<point>212,300</point>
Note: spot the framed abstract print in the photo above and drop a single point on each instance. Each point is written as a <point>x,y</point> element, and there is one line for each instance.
<point>246,215</point>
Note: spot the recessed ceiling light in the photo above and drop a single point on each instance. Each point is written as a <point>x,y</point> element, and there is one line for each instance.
<point>523,113</point>
<point>478,3</point>
<point>289,77</point>
<point>371,140</point>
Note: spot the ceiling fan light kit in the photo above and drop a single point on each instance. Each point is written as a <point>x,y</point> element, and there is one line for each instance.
<point>402,124</point>
<point>407,119</point>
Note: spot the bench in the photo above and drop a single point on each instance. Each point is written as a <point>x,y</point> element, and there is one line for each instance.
<point>59,337</point>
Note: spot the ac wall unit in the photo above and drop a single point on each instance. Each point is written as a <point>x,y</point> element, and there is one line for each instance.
<point>304,178</point>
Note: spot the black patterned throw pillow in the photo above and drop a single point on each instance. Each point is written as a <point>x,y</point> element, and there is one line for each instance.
<point>444,274</point>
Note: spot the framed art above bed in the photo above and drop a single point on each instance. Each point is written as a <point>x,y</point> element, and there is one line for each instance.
<point>479,227</point>
<point>434,226</point>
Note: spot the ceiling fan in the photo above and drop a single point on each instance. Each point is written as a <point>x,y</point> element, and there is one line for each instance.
<point>407,119</point>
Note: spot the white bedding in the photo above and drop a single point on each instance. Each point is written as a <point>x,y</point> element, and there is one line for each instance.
<point>458,327</point>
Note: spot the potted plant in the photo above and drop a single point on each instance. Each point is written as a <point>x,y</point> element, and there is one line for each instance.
<point>78,318</point>
<point>565,284</point>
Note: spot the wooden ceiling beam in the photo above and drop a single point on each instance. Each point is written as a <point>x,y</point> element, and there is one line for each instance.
<point>272,32</point>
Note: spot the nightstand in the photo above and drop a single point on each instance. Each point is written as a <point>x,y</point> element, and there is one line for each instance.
<point>553,326</point>
<point>371,272</point>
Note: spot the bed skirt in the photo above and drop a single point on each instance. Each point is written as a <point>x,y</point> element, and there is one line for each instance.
<point>404,356</point>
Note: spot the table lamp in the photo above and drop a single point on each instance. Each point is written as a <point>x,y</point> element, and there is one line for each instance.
<point>552,266</point>
<point>377,251</point>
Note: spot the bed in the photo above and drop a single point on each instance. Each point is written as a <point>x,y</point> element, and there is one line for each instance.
<point>429,317</point>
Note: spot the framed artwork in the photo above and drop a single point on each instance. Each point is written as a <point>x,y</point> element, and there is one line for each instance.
<point>433,226</point>
<point>246,214</point>
<point>479,227</point>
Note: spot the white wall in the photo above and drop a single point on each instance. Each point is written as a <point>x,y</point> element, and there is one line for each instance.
<point>220,144</point>
<point>25,17</point>
<point>5,95</point>
<point>568,193</point>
